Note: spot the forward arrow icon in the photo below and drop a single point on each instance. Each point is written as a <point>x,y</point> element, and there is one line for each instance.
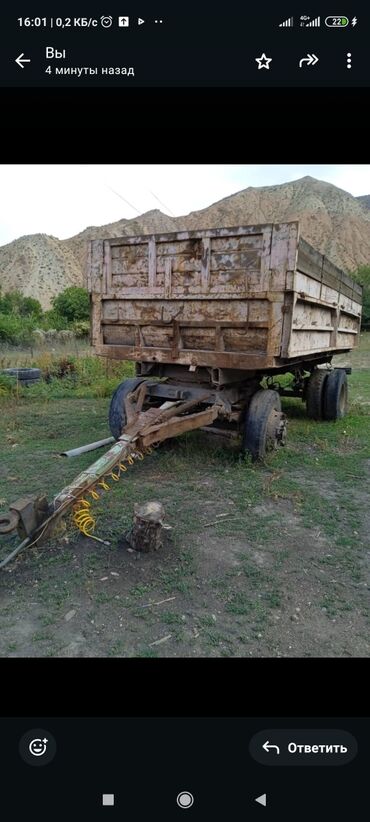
<point>311,60</point>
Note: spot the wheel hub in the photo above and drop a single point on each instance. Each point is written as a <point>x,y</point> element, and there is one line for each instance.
<point>276,430</point>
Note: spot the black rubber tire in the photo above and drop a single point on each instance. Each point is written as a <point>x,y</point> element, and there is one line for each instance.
<point>255,439</point>
<point>336,395</point>
<point>116,414</point>
<point>315,394</point>
<point>23,373</point>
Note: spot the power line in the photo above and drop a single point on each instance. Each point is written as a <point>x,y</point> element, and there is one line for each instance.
<point>162,204</point>
<point>124,199</point>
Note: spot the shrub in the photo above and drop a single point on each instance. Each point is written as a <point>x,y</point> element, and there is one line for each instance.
<point>15,330</point>
<point>31,307</point>
<point>15,304</point>
<point>57,369</point>
<point>51,319</point>
<point>81,328</point>
<point>73,303</point>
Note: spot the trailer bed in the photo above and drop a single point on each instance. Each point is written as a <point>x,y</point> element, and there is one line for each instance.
<point>249,298</point>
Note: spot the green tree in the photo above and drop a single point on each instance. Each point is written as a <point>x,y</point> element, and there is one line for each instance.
<point>362,275</point>
<point>15,304</point>
<point>11,303</point>
<point>73,303</point>
<point>31,308</point>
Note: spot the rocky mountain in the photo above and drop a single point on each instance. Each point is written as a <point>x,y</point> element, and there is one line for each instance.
<point>332,220</point>
<point>364,200</point>
<point>39,266</point>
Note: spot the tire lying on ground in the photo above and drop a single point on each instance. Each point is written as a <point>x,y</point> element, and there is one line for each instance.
<point>116,414</point>
<point>23,374</point>
<point>336,395</point>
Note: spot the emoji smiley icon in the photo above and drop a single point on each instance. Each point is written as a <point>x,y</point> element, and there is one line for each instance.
<point>37,747</point>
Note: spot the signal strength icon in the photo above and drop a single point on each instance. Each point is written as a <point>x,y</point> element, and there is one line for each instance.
<point>315,22</point>
<point>288,22</point>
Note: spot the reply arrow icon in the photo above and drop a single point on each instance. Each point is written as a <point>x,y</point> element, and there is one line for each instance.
<point>22,59</point>
<point>311,60</point>
<point>267,747</point>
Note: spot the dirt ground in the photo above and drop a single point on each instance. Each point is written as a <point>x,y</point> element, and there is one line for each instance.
<point>270,560</point>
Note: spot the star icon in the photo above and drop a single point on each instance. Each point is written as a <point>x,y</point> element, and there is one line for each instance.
<point>263,61</point>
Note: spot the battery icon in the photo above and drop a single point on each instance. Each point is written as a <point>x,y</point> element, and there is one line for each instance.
<point>336,22</point>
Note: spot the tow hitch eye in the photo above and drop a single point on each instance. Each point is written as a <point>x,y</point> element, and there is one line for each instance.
<point>25,515</point>
<point>8,522</point>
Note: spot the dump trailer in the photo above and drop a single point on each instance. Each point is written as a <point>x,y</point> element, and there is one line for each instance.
<point>210,318</point>
<point>209,314</point>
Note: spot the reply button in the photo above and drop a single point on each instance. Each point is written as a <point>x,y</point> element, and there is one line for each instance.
<point>303,747</point>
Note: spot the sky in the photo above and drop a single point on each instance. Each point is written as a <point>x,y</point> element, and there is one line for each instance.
<point>62,200</point>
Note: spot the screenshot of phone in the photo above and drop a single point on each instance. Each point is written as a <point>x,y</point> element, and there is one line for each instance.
<point>185,428</point>
<point>163,45</point>
<point>184,768</point>
<point>230,305</point>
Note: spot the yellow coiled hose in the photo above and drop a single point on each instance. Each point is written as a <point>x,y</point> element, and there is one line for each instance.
<point>82,515</point>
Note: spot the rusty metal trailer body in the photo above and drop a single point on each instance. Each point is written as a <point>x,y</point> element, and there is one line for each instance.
<point>249,298</point>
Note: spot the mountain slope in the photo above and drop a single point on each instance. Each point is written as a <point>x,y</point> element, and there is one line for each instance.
<point>364,200</point>
<point>39,266</point>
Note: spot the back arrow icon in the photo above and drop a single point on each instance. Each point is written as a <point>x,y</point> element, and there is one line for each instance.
<point>267,747</point>
<point>311,60</point>
<point>22,59</point>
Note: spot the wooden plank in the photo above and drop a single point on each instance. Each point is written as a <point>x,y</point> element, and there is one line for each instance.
<point>96,326</point>
<point>152,263</point>
<point>167,278</point>
<point>107,277</point>
<point>318,266</point>
<point>284,242</point>
<point>157,295</point>
<point>215,359</point>
<point>174,236</point>
<point>288,310</point>
<point>89,268</point>
<point>205,264</point>
<point>219,338</point>
<point>96,263</point>
<point>178,425</point>
<point>191,324</point>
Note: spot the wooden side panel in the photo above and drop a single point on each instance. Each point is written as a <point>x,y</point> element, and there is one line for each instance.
<point>327,309</point>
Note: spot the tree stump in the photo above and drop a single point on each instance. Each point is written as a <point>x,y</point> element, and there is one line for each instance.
<point>147,532</point>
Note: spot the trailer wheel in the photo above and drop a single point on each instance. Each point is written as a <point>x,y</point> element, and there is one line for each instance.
<point>116,415</point>
<point>315,394</point>
<point>336,395</point>
<point>265,424</point>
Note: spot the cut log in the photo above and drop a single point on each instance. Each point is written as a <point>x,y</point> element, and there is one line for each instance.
<point>147,532</point>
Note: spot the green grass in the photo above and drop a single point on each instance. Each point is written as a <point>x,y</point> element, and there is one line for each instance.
<point>298,518</point>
